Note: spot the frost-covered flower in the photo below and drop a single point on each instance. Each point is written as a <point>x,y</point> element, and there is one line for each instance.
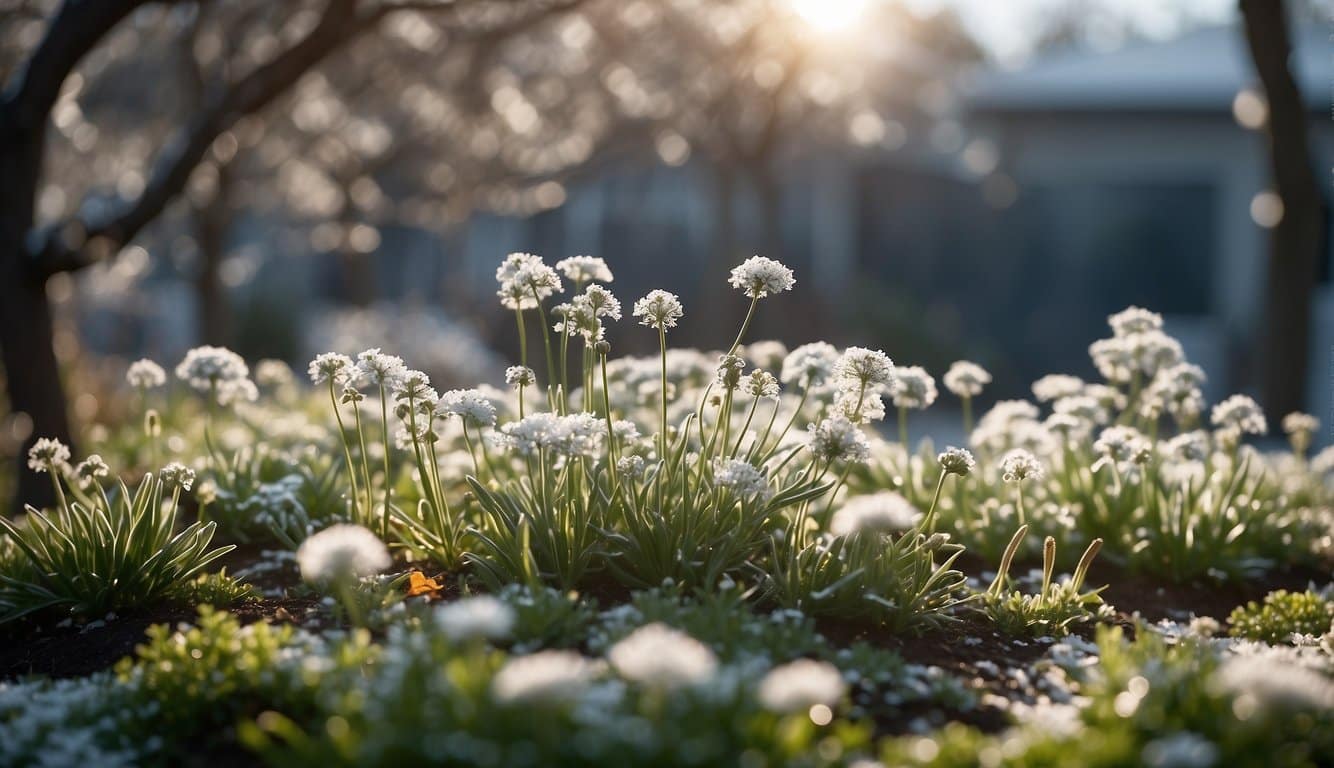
<point>599,302</point>
<point>585,269</point>
<point>341,551</point>
<point>860,366</point>
<point>470,405</point>
<point>659,309</point>
<point>882,512</point>
<point>1240,414</point>
<point>91,468</point>
<point>913,387</point>
<point>475,618</point>
<point>545,677</point>
<point>758,277</point>
<point>741,478</point>
<point>956,461</point>
<point>625,430</point>
<point>207,367</point>
<point>48,455</point>
<point>1055,386</point>
<point>1019,465</point>
<point>525,280</point>
<point>837,439</point>
<point>659,656</point>
<point>810,365</point>
<point>331,368</point>
<point>415,387</point>
<point>178,475</point>
<point>800,685</point>
<point>145,374</point>
<point>760,383</point>
<point>520,376</point>
<point>379,369</point>
<point>966,379</point>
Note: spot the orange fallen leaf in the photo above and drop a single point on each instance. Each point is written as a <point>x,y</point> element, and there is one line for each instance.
<point>421,584</point>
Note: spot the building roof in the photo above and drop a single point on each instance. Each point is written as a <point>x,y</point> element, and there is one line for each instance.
<point>1199,71</point>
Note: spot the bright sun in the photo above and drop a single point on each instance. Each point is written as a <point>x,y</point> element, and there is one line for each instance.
<point>830,15</point>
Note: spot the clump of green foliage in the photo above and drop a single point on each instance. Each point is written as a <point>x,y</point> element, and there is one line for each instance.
<point>1055,608</point>
<point>1282,615</point>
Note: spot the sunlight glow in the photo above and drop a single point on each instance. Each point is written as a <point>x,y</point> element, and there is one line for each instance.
<point>830,15</point>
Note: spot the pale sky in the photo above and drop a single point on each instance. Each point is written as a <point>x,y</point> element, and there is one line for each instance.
<point>1008,27</point>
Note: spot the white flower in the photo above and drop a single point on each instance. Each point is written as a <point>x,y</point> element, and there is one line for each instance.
<point>766,354</point>
<point>331,367</point>
<point>864,367</point>
<point>48,455</point>
<point>966,379</point>
<point>1134,320</point>
<point>520,376</point>
<point>758,277</point>
<point>1114,359</point>
<point>1241,414</point>
<point>380,369</point>
<point>585,269</point>
<point>837,439</point>
<point>760,383</point>
<point>1056,386</point>
<point>800,685</point>
<point>415,387</point>
<point>810,365</point>
<point>728,375</point>
<point>1189,446</point>
<point>882,512</point>
<point>741,478</point>
<point>470,405</point>
<point>145,374</point>
<point>339,552</point>
<point>630,466</point>
<point>177,474</point>
<point>475,618</point>
<point>236,391</point>
<point>1297,423</point>
<point>578,434</point>
<point>525,280</point>
<point>956,461</point>
<point>1019,465</point>
<point>91,469</point>
<point>859,406</point>
<point>545,677</point>
<point>207,367</point>
<point>625,430</point>
<point>913,387</point>
<point>1121,445</point>
<point>659,656</point>
<point>659,309</point>
<point>599,302</point>
<point>273,373</point>
<point>1082,407</point>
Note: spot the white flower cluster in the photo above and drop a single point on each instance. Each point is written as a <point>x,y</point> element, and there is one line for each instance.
<point>1019,465</point>
<point>470,405</point>
<point>145,374</point>
<point>966,379</point>
<point>340,552</point>
<point>545,677</point>
<point>882,512</point>
<point>380,369</point>
<point>742,479</point>
<point>659,309</point>
<point>758,277</point>
<point>1138,347</point>
<point>800,685</point>
<point>810,366</point>
<point>837,439</point>
<point>48,455</point>
<point>220,370</point>
<point>1239,414</point>
<point>475,618</point>
<point>525,280</point>
<point>332,368</point>
<point>862,367</point>
<point>913,388</point>
<point>574,435</point>
<point>658,656</point>
<point>1057,386</point>
<point>178,475</point>
<point>585,269</point>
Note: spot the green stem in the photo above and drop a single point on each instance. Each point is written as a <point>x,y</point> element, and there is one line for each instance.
<point>347,453</point>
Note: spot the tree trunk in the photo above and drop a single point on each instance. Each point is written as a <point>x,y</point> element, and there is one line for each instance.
<point>212,221</point>
<point>25,314</point>
<point>1295,242</point>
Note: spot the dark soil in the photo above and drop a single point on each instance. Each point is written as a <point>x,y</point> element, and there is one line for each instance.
<point>73,650</point>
